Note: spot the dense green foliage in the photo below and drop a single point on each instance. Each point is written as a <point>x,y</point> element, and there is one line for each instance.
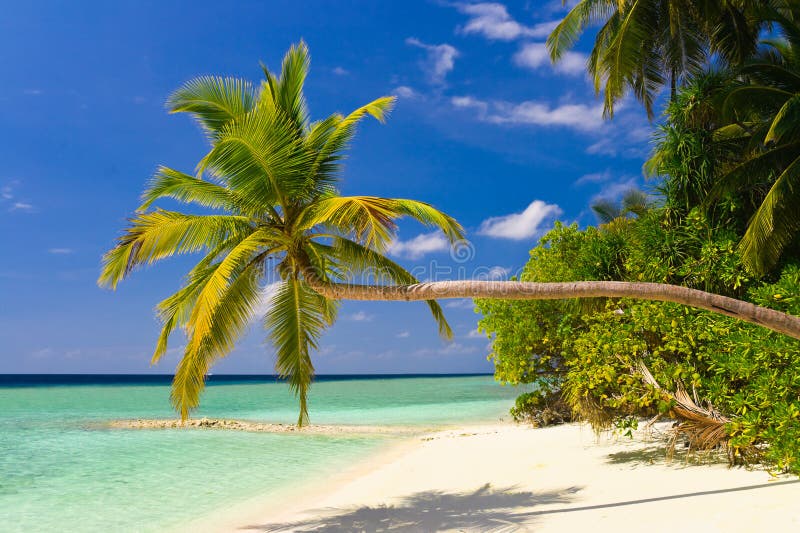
<point>733,140</point>
<point>588,351</point>
<point>643,45</point>
<point>724,219</point>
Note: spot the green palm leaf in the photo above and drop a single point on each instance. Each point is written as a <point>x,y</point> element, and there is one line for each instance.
<point>296,320</point>
<point>786,123</point>
<point>332,137</point>
<point>229,320</point>
<point>272,175</point>
<point>159,234</point>
<point>258,156</point>
<point>360,259</point>
<point>775,224</point>
<point>169,183</point>
<point>213,101</point>
<point>372,219</point>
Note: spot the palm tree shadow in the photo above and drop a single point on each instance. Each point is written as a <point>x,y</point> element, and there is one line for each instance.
<point>644,456</point>
<point>485,509</point>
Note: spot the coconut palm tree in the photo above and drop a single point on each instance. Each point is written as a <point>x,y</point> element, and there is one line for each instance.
<point>634,203</point>
<point>268,182</point>
<point>763,115</point>
<point>645,45</point>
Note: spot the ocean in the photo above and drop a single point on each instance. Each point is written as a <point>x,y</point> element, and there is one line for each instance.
<point>62,469</point>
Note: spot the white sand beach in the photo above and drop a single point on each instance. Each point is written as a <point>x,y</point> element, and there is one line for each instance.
<point>505,477</point>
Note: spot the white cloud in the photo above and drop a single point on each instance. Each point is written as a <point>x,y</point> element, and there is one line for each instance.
<point>475,334</point>
<point>22,206</point>
<point>60,251</point>
<point>404,91</point>
<point>490,273</point>
<point>339,71</point>
<point>453,348</point>
<point>360,316</point>
<point>33,92</point>
<point>403,335</point>
<point>461,303</point>
<point>536,55</point>
<point>493,21</point>
<point>467,102</point>
<point>440,59</point>
<point>42,353</point>
<point>628,137</point>
<point>6,193</point>
<point>581,117</point>
<point>577,116</point>
<point>559,6</point>
<point>520,226</point>
<point>595,177</point>
<point>419,246</point>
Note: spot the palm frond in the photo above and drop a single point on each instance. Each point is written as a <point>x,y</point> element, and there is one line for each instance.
<point>786,124</point>
<point>213,101</point>
<point>229,321</point>
<point>289,91</point>
<point>635,202</point>
<point>775,224</point>
<point>176,310</point>
<point>772,74</point>
<point>170,183</point>
<point>568,31</point>
<point>753,170</point>
<point>742,102</point>
<point>296,320</point>
<point>332,136</point>
<point>160,234</point>
<point>372,219</point>
<point>733,35</point>
<point>259,157</point>
<point>429,216</point>
<point>213,292</point>
<point>362,260</point>
<point>626,59</point>
<point>606,210</point>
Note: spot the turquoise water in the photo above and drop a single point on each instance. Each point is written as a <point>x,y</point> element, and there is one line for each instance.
<point>61,470</point>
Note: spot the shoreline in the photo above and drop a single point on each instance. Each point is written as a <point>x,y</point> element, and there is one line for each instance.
<point>242,515</point>
<point>222,424</point>
<point>508,477</point>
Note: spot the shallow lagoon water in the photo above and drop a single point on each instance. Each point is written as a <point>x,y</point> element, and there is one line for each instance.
<point>61,470</point>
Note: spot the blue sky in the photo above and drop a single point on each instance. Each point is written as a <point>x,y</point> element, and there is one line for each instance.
<point>485,129</point>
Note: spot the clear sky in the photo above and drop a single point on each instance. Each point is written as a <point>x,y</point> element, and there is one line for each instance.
<point>485,129</point>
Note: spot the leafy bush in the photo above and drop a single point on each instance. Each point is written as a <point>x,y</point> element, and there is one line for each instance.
<point>541,410</point>
<point>586,353</point>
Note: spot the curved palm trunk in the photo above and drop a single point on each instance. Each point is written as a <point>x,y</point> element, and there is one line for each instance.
<point>521,290</point>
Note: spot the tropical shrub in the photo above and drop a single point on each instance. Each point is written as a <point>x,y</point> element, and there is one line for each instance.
<point>588,355</point>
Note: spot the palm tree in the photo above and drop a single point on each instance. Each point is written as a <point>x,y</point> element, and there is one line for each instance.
<point>634,202</point>
<point>645,45</point>
<point>269,182</point>
<point>763,130</point>
<point>269,179</point>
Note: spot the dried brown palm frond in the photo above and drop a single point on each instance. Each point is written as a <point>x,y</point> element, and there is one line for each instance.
<point>703,428</point>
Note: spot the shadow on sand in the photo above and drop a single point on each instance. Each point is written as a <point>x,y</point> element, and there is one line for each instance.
<point>486,509</point>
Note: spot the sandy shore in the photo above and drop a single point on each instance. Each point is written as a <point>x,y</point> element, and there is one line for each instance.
<point>221,424</point>
<point>510,478</point>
